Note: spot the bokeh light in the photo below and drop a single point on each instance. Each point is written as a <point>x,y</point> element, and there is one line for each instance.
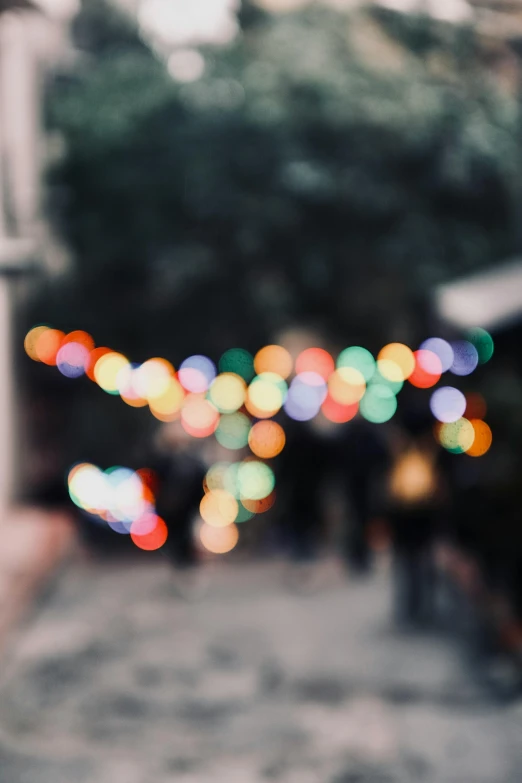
<point>273,358</point>
<point>259,506</point>
<point>152,379</point>
<point>199,417</point>
<point>215,476</point>
<point>358,358</point>
<point>107,370</point>
<point>239,362</point>
<point>196,373</point>
<point>227,392</point>
<point>94,355</point>
<point>482,440</point>
<point>428,369</point>
<point>255,480</point>
<point>483,343</point>
<point>306,394</point>
<point>232,431</point>
<point>440,348</point>
<point>267,439</point>
<point>168,405</point>
<point>448,404</point>
<point>346,386</point>
<point>457,436</point>
<point>81,337</point>
<point>47,345</point>
<point>31,339</point>
<point>72,359</point>
<point>338,413</point>
<point>125,382</point>
<point>149,539</point>
<point>219,540</point>
<point>218,508</point>
<point>244,514</point>
<point>315,360</point>
<point>266,395</point>
<point>378,379</point>
<point>476,407</point>
<point>378,404</point>
<point>393,356</point>
<point>465,358</point>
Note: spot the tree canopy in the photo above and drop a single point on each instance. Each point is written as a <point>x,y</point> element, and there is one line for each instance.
<point>327,168</point>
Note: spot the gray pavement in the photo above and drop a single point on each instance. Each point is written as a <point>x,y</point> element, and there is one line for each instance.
<point>117,680</point>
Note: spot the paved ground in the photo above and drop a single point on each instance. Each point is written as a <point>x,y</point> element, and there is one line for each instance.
<point>115,680</point>
<point>32,543</point>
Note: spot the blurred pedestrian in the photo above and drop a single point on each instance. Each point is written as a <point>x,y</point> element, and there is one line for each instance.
<point>180,471</point>
<point>416,495</point>
<point>361,459</point>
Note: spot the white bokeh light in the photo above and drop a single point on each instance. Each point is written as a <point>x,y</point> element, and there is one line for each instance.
<point>178,22</point>
<point>186,65</point>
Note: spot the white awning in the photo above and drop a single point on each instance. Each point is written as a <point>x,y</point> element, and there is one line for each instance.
<point>491,299</point>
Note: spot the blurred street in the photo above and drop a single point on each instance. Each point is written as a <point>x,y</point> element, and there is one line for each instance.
<point>117,680</point>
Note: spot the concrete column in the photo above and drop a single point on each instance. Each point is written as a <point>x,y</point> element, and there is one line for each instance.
<point>7,409</point>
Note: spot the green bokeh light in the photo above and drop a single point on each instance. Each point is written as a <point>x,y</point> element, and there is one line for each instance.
<point>243,514</point>
<point>358,358</point>
<point>255,479</point>
<point>378,379</point>
<point>238,361</point>
<point>483,343</point>
<point>233,429</point>
<point>378,404</point>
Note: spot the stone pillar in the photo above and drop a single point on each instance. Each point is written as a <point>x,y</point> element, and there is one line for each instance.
<point>7,409</point>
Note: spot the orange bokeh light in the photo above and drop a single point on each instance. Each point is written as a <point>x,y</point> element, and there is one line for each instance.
<point>315,360</point>
<point>81,337</point>
<point>483,439</point>
<point>259,506</point>
<point>31,339</point>
<point>219,540</point>
<point>95,354</point>
<point>400,355</point>
<point>273,358</point>
<point>267,439</point>
<point>47,346</point>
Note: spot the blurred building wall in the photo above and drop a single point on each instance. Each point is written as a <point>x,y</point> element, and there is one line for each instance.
<point>29,43</point>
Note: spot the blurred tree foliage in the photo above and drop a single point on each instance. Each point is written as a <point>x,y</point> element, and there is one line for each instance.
<point>327,168</point>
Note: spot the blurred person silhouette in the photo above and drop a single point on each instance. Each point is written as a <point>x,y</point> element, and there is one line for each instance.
<point>361,460</point>
<point>303,467</point>
<point>180,471</point>
<point>416,496</point>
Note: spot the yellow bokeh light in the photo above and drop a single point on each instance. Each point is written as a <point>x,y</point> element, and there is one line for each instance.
<point>107,371</point>
<point>168,405</point>
<point>275,359</point>
<point>219,540</point>
<point>227,392</point>
<point>152,379</point>
<point>218,508</point>
<point>31,339</point>
<point>346,386</point>
<point>400,355</point>
<point>265,395</point>
<point>390,370</point>
<point>457,436</point>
